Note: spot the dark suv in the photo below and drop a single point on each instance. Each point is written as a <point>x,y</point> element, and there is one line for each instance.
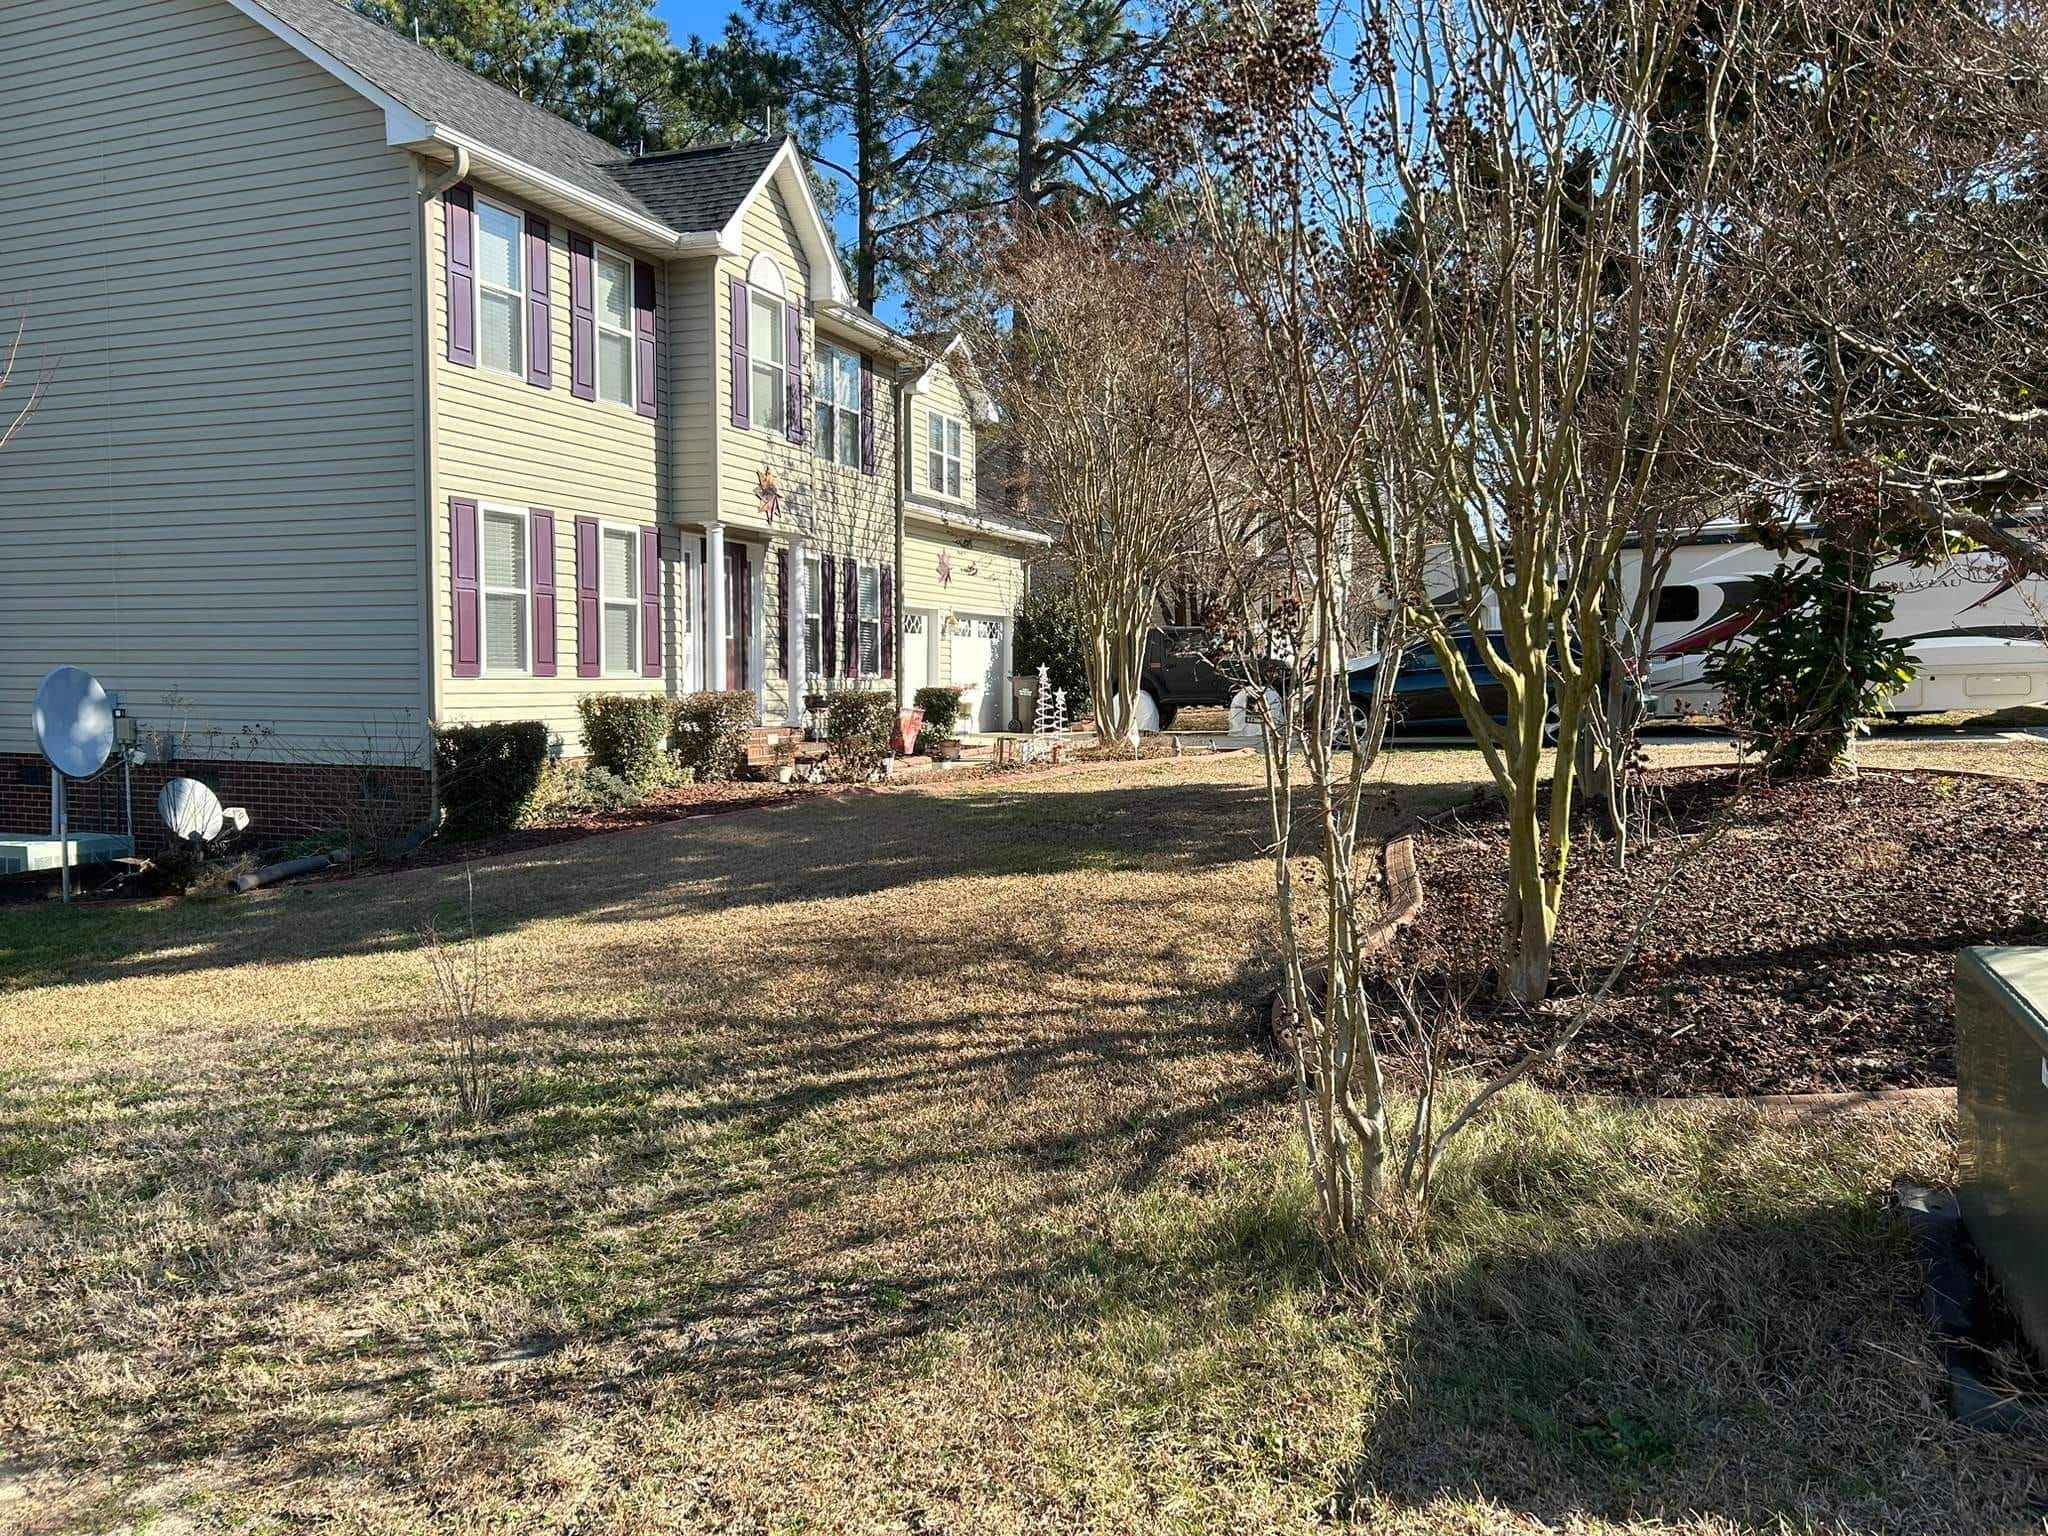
<point>1178,673</point>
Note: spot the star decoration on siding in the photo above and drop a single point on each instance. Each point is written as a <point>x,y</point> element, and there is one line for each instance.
<point>768,494</point>
<point>945,569</point>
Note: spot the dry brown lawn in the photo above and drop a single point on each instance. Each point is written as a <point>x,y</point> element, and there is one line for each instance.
<point>904,1163</point>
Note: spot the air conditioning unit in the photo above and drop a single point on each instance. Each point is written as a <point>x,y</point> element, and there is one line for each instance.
<point>2002,1100</point>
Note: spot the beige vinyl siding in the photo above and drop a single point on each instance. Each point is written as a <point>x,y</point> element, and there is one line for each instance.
<point>216,505</point>
<point>983,577</point>
<point>825,508</point>
<point>942,393</point>
<point>500,439</point>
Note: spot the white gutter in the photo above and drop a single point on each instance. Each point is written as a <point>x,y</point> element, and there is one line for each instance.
<point>974,523</point>
<point>609,217</point>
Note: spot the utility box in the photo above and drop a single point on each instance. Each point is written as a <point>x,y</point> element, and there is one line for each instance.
<point>2002,1100</point>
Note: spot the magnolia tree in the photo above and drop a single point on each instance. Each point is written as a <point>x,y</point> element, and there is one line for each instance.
<point>1096,414</point>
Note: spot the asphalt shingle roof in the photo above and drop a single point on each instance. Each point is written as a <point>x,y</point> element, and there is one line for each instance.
<point>688,190</point>
<point>696,189</point>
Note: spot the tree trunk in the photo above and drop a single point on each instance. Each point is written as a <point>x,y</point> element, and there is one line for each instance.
<point>869,153</point>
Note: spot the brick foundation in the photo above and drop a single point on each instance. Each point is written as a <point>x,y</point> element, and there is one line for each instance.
<point>284,800</point>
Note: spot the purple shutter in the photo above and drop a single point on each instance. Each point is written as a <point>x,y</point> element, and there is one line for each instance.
<point>793,354</point>
<point>588,661</point>
<point>540,329</point>
<point>644,372</point>
<point>738,294</point>
<point>468,595</point>
<point>543,541</point>
<point>582,319</point>
<point>888,621</point>
<point>867,418</point>
<point>850,621</point>
<point>459,203</point>
<point>782,608</point>
<point>828,641</point>
<point>650,602</point>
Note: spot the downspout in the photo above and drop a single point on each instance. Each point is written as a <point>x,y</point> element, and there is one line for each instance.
<point>429,653</point>
<point>900,396</point>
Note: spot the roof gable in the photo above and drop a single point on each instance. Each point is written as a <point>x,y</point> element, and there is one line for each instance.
<point>676,202</point>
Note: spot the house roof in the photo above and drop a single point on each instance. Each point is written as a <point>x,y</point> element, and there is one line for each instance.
<point>686,199</point>
<point>440,91</point>
<point>697,189</point>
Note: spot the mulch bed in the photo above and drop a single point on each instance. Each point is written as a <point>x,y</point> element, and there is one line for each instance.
<point>1808,948</point>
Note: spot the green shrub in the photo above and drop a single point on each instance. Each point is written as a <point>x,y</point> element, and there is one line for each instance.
<point>599,789</point>
<point>627,734</point>
<point>860,723</point>
<point>941,708</point>
<point>487,775</point>
<point>711,733</point>
<point>1817,666</point>
<point>1049,635</point>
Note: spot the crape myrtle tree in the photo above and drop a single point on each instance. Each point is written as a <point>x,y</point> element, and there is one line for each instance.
<point>1093,408</point>
<point>1281,370</point>
<point>1544,327</point>
<point>1308,356</point>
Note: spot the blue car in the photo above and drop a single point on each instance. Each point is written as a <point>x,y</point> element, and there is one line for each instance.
<point>1423,702</point>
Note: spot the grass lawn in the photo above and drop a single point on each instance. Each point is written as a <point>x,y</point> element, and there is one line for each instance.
<point>904,1163</point>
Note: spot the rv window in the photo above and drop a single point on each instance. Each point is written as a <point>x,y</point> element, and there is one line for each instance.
<point>1677,605</point>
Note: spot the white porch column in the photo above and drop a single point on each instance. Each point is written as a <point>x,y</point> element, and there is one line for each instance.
<point>714,608</point>
<point>799,663</point>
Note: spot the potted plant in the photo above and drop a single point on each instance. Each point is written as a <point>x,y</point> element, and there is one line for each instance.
<point>941,708</point>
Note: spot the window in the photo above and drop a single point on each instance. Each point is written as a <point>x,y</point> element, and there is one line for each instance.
<point>838,406</point>
<point>814,608</point>
<point>500,288</point>
<point>615,329</point>
<point>870,619</point>
<point>1677,605</point>
<point>942,454</point>
<point>618,590</point>
<point>766,359</point>
<point>508,606</point>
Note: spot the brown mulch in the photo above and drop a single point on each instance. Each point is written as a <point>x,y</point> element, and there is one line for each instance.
<point>1809,947</point>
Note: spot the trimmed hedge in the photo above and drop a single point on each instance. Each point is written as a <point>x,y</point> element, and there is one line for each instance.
<point>487,775</point>
<point>941,708</point>
<point>711,733</point>
<point>859,725</point>
<point>627,734</point>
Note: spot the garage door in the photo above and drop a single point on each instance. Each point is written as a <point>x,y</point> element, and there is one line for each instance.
<point>977,670</point>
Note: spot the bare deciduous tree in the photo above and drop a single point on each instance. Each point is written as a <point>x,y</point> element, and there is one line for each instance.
<point>1546,316</point>
<point>1096,416</point>
<point>14,413</point>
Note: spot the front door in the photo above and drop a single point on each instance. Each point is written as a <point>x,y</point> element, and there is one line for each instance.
<point>739,617</point>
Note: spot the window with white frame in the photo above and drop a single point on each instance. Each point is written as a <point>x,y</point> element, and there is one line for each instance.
<point>618,591</point>
<point>942,454</point>
<point>870,619</point>
<point>767,359</point>
<point>615,350</point>
<point>500,288</point>
<point>507,590</point>
<point>838,406</point>
<point>814,622</point>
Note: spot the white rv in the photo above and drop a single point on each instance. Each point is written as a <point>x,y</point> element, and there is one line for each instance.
<point>1979,633</point>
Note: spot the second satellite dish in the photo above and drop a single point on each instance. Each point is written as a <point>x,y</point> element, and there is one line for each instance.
<point>74,722</point>
<point>190,810</point>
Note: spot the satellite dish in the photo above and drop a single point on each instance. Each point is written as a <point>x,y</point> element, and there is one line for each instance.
<point>74,722</point>
<point>190,810</point>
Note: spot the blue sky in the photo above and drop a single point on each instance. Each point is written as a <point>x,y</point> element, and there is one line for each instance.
<point>706,18</point>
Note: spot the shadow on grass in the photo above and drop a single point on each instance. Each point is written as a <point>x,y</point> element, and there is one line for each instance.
<point>1760,1372</point>
<point>797,850</point>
